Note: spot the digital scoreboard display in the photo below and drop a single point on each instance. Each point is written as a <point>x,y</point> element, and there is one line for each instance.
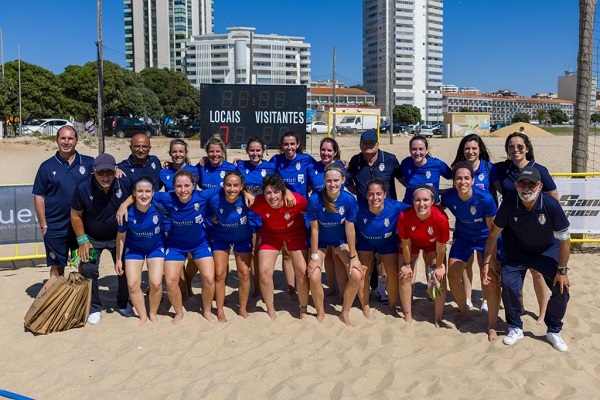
<point>238,112</point>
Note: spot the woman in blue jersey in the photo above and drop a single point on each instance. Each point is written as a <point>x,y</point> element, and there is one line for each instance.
<point>376,231</point>
<point>178,150</point>
<point>140,239</point>
<point>422,169</point>
<point>332,214</point>
<point>519,150</point>
<point>473,151</point>
<point>213,167</point>
<point>474,210</point>
<point>231,228</point>
<point>296,169</point>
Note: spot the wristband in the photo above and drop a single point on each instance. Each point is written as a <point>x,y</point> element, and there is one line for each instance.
<point>43,227</point>
<point>83,239</point>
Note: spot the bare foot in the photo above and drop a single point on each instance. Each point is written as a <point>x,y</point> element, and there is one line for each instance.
<point>462,318</point>
<point>210,317</point>
<point>492,335</point>
<point>540,320</point>
<point>153,318</point>
<point>345,318</point>
<point>293,293</point>
<point>408,318</point>
<point>243,313</point>
<point>177,318</point>
<point>366,311</point>
<point>142,321</point>
<point>320,317</point>
<point>272,314</point>
<point>303,311</point>
<point>221,316</point>
<point>393,311</point>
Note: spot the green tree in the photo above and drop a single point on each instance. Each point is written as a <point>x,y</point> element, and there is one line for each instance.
<point>407,114</point>
<point>174,91</point>
<point>465,109</point>
<point>80,90</point>
<point>595,118</point>
<point>557,116</point>
<point>520,117</point>
<point>542,115</point>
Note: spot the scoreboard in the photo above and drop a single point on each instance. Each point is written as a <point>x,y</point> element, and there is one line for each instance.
<point>238,112</point>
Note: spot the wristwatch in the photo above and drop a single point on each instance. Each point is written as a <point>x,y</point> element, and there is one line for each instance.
<point>314,256</point>
<point>563,270</point>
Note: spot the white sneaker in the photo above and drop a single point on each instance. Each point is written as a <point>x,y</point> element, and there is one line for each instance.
<point>127,311</point>
<point>94,318</point>
<point>484,307</point>
<point>514,335</point>
<point>557,342</point>
<point>470,305</point>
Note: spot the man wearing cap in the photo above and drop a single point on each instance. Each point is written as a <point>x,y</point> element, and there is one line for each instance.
<point>536,235</point>
<point>53,188</point>
<point>93,215</point>
<point>140,162</point>
<point>372,162</point>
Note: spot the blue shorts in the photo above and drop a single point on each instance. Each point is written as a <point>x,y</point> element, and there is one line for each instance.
<point>335,243</point>
<point>57,246</point>
<point>462,251</point>
<point>138,254</point>
<point>389,247</point>
<point>243,246</point>
<point>201,251</point>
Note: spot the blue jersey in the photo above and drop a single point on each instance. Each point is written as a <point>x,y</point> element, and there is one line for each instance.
<point>296,173</point>
<point>318,178</point>
<point>508,172</point>
<point>167,174</point>
<point>55,181</point>
<point>233,224</point>
<point>332,228</point>
<point>485,176</point>
<point>186,229</point>
<point>133,171</point>
<point>428,174</point>
<point>379,229</point>
<point>254,174</point>
<point>212,177</point>
<point>471,225</point>
<point>144,229</point>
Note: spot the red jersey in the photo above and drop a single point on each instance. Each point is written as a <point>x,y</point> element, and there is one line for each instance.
<point>423,234</point>
<point>283,220</point>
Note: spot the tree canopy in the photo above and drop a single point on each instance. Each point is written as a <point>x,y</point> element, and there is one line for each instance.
<point>557,116</point>
<point>520,117</point>
<point>407,114</point>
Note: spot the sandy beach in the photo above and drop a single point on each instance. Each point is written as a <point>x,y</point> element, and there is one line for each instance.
<point>254,358</point>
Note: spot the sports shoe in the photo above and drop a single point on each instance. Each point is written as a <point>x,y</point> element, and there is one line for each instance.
<point>94,318</point>
<point>470,305</point>
<point>127,312</point>
<point>514,335</point>
<point>557,342</point>
<point>484,306</point>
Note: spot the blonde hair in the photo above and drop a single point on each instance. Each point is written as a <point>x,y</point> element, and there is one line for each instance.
<point>216,139</point>
<point>328,201</point>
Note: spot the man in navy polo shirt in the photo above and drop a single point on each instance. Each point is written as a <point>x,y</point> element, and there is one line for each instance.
<point>370,163</point>
<point>536,235</point>
<point>140,162</point>
<point>53,188</point>
<point>93,215</point>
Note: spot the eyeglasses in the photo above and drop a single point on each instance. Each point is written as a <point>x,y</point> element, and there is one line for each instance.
<point>519,147</point>
<point>528,185</point>
<point>105,172</point>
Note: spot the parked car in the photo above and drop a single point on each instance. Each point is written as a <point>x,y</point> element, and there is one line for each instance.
<point>414,129</point>
<point>46,126</point>
<point>316,127</point>
<point>499,125</point>
<point>128,127</point>
<point>182,131</point>
<point>398,128</point>
<point>438,129</point>
<point>426,130</point>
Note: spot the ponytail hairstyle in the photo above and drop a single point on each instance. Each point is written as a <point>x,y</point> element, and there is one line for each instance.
<point>216,139</point>
<point>422,139</point>
<point>295,136</point>
<point>529,155</point>
<point>328,201</point>
<point>336,147</point>
<point>180,142</point>
<point>239,175</point>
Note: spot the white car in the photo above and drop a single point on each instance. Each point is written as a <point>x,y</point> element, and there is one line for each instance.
<point>316,127</point>
<point>46,127</point>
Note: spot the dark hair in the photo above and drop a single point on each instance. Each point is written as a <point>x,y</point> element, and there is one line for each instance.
<point>184,172</point>
<point>421,138</point>
<point>295,136</point>
<point>239,175</point>
<point>423,187</point>
<point>143,178</point>
<point>67,127</point>
<point>256,139</point>
<point>336,147</point>
<point>376,181</point>
<point>462,164</point>
<point>180,142</point>
<point>216,139</point>
<point>328,201</point>
<point>528,145</point>
<point>484,154</point>
<point>275,181</point>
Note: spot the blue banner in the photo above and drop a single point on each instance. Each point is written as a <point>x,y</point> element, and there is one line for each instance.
<point>18,222</point>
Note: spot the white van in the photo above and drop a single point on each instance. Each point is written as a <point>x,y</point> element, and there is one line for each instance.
<point>357,123</point>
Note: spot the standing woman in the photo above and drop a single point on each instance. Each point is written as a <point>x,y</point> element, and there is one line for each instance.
<point>519,149</point>
<point>425,227</point>
<point>377,232</point>
<point>296,169</point>
<point>232,229</point>
<point>178,150</point>
<point>284,226</point>
<point>474,210</point>
<point>332,214</point>
<point>140,239</point>
<point>212,168</point>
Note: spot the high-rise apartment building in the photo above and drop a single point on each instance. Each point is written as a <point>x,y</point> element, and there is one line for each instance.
<point>156,31</point>
<point>242,56</point>
<point>415,29</point>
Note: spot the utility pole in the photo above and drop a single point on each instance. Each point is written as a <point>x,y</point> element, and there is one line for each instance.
<point>392,66</point>
<point>251,56</point>
<point>20,91</point>
<point>334,115</point>
<point>100,129</point>
<point>2,51</point>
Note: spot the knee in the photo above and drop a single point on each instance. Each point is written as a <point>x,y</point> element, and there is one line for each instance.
<point>155,286</point>
<point>172,282</point>
<point>134,287</point>
<point>208,281</point>
<point>220,276</point>
<point>244,275</point>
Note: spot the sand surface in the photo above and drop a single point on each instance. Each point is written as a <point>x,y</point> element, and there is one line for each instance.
<point>256,358</point>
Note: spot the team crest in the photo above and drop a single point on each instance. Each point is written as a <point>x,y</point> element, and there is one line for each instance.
<point>430,231</point>
<point>542,219</point>
<point>386,222</point>
<point>286,216</point>
<point>168,177</point>
<point>516,218</point>
<point>428,174</point>
<point>53,172</point>
<point>153,165</point>
<point>481,176</point>
<point>381,167</point>
<point>341,210</point>
<point>222,174</point>
<point>52,255</point>
<point>298,166</point>
<point>364,220</point>
<point>473,210</point>
<point>196,206</point>
<point>238,209</point>
<point>263,173</point>
<point>412,228</point>
<point>135,221</point>
<point>119,194</point>
<point>132,170</point>
<point>247,171</point>
<point>82,170</point>
<point>268,215</point>
<point>221,210</point>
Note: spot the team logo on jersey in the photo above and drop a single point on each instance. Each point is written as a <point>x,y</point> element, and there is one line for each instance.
<point>412,228</point>
<point>323,209</point>
<point>298,166</point>
<point>196,206</point>
<point>386,222</point>
<point>430,231</point>
<point>428,174</point>
<point>52,255</point>
<point>243,220</point>
<point>286,215</point>
<point>301,178</point>
<point>92,198</point>
<point>247,171</point>
<point>119,193</point>
<point>381,167</point>
<point>364,220</point>
<point>153,165</point>
<point>473,210</point>
<point>132,170</point>
<point>481,176</point>
<point>263,173</point>
<point>82,170</point>
<point>53,172</point>
<point>238,209</point>
<point>268,215</point>
<point>134,221</point>
<point>221,210</point>
<point>168,177</point>
<point>516,218</point>
<point>542,219</point>
<point>222,174</point>
<point>341,210</point>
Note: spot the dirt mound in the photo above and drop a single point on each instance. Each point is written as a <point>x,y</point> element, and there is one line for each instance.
<point>530,130</point>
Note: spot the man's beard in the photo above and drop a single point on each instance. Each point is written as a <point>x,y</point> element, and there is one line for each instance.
<point>529,195</point>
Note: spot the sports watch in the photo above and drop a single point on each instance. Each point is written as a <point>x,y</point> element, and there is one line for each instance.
<point>563,270</point>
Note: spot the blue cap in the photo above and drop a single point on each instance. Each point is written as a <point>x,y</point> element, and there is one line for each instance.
<point>369,135</point>
<point>105,161</point>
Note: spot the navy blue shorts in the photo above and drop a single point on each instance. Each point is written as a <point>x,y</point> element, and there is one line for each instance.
<point>57,246</point>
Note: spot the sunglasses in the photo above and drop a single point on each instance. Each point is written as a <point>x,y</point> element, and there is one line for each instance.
<point>105,172</point>
<point>519,147</point>
<point>528,185</point>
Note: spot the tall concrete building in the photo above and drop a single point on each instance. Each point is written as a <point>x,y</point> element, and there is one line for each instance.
<point>156,31</point>
<point>415,29</point>
<point>242,56</point>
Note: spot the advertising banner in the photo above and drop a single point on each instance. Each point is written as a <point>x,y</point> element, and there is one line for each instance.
<point>580,199</point>
<point>18,222</point>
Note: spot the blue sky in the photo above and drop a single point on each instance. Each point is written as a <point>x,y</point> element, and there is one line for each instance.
<point>488,44</point>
